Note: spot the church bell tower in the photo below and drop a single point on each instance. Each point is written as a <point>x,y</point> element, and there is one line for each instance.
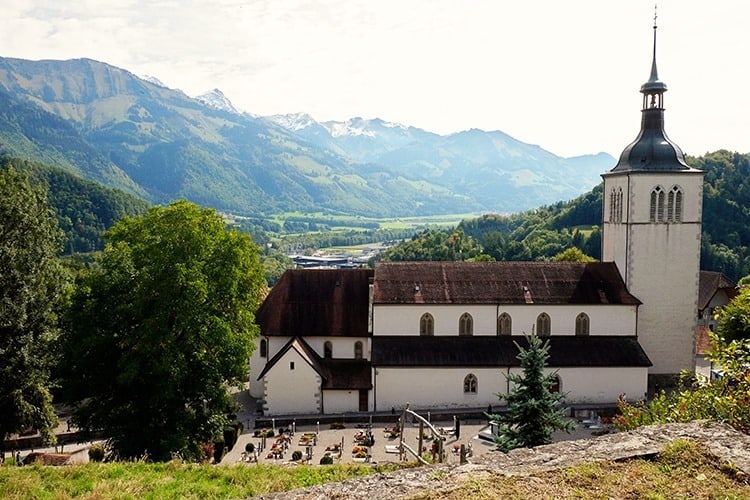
<point>651,229</point>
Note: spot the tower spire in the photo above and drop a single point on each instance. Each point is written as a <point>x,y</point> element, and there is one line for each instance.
<point>652,150</point>
<point>653,89</point>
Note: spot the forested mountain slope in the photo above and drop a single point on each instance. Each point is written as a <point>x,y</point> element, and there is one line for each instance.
<point>542,233</point>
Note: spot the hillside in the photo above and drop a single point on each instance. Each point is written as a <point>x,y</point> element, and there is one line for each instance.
<point>544,232</point>
<point>84,209</point>
<point>108,125</point>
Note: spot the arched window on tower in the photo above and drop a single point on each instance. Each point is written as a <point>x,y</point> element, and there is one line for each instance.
<point>612,204</point>
<point>358,350</point>
<point>327,349</point>
<point>504,324</point>
<point>427,325</point>
<point>470,384</point>
<point>618,205</point>
<point>657,205</point>
<point>543,325</point>
<point>465,324</point>
<point>674,205</point>
<point>582,324</point>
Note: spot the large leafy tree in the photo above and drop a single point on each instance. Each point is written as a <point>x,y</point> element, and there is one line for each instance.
<point>534,411</point>
<point>161,330</point>
<point>734,317</point>
<point>33,288</point>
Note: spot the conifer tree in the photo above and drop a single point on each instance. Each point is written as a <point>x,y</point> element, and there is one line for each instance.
<point>534,412</point>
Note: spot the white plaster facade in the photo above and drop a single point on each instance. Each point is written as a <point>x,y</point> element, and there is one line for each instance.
<point>432,388</point>
<point>403,319</point>
<point>292,387</point>
<point>659,262</point>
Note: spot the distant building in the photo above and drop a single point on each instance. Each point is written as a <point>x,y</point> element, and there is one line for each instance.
<point>715,290</point>
<point>443,334</point>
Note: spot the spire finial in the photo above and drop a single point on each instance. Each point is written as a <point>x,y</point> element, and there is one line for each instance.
<point>654,77</point>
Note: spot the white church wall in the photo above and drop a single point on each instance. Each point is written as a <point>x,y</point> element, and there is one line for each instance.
<point>603,319</point>
<point>404,319</point>
<point>292,386</point>
<point>427,388</point>
<point>340,401</point>
<point>257,363</point>
<point>602,385</point>
<point>660,265</point>
<point>342,347</point>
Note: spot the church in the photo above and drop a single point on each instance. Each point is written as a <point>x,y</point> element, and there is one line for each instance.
<point>444,334</point>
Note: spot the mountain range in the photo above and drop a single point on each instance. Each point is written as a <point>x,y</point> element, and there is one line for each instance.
<point>108,125</point>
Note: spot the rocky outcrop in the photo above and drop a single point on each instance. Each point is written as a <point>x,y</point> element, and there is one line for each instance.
<point>721,440</point>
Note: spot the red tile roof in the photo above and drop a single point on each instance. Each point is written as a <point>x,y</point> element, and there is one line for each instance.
<point>500,283</point>
<point>317,302</point>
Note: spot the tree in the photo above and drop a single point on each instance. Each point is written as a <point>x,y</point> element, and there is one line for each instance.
<point>534,411</point>
<point>734,317</point>
<point>33,290</point>
<point>160,331</point>
<point>573,254</point>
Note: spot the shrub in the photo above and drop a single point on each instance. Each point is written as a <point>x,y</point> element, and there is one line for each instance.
<point>269,433</point>
<point>297,455</point>
<point>326,460</point>
<point>337,425</point>
<point>250,447</point>
<point>724,400</point>
<point>96,453</point>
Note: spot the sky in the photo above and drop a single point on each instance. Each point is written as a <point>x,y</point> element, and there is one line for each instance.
<point>561,74</point>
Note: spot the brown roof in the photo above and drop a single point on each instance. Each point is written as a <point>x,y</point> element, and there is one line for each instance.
<point>317,302</point>
<point>501,351</point>
<point>347,374</point>
<point>710,282</point>
<point>500,283</point>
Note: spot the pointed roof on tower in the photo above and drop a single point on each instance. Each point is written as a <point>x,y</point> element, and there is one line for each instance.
<point>652,150</point>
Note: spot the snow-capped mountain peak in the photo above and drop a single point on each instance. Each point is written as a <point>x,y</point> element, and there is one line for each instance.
<point>154,80</point>
<point>216,99</point>
<point>351,127</point>
<point>293,121</point>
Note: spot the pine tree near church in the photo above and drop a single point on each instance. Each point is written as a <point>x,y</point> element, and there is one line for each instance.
<point>534,411</point>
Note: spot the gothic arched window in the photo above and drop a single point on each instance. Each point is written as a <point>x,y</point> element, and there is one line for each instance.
<point>465,324</point>
<point>427,325</point>
<point>657,205</point>
<point>618,205</point>
<point>582,324</point>
<point>470,384</point>
<point>674,205</point>
<point>543,325</point>
<point>358,350</point>
<point>504,324</point>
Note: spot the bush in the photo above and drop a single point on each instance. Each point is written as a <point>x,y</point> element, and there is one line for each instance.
<point>326,460</point>
<point>724,400</point>
<point>250,447</point>
<point>297,455</point>
<point>337,425</point>
<point>269,433</point>
<point>96,453</point>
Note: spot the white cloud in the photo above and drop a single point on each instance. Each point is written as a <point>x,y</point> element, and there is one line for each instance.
<point>564,75</point>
